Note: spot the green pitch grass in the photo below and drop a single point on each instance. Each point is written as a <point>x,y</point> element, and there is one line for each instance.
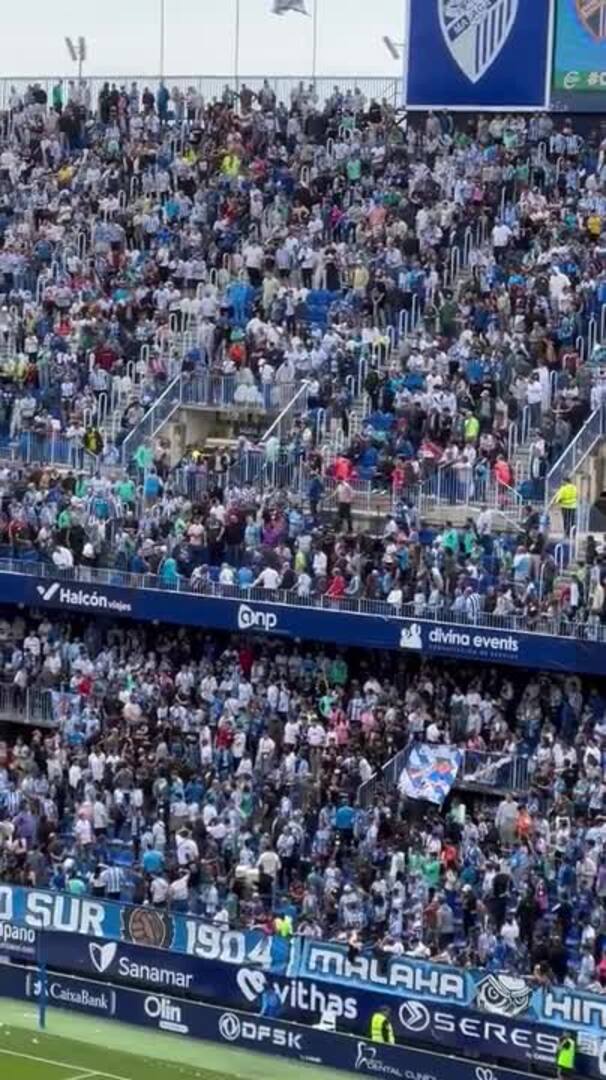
<point>78,1048</point>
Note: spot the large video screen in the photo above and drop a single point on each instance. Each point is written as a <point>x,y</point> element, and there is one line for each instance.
<point>485,54</point>
<point>579,69</point>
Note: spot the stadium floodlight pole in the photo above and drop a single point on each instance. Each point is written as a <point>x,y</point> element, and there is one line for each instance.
<point>393,47</point>
<point>162,36</point>
<point>237,48</point>
<point>77,53</point>
<point>314,63</point>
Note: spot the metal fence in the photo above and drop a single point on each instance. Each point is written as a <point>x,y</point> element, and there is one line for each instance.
<point>159,414</point>
<point>504,772</point>
<point>251,470</point>
<point>211,87</point>
<point>30,706</point>
<point>452,485</point>
<point>283,424</point>
<point>480,769</point>
<point>54,450</point>
<point>385,780</point>
<point>581,447</point>
<point>227,391</point>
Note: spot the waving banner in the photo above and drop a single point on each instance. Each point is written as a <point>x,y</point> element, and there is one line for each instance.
<point>430,773</point>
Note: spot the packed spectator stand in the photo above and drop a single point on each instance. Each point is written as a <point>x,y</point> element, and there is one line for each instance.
<point>224,778</point>
<point>414,318</point>
<point>253,255</point>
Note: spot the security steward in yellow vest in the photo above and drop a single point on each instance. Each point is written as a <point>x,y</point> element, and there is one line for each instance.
<point>381,1027</point>
<point>566,1055</point>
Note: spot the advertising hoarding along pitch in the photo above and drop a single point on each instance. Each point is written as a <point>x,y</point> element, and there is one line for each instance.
<point>167,1013</point>
<point>478,54</point>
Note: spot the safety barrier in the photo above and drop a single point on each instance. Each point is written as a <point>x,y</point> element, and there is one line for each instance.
<point>283,424</point>
<point>386,779</point>
<point>227,391</point>
<point>50,450</point>
<point>418,610</point>
<point>505,772</point>
<point>32,705</point>
<point>453,485</point>
<point>155,418</point>
<point>211,87</point>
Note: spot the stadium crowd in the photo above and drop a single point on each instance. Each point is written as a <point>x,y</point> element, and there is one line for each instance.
<point>148,235</point>
<point>268,242</point>
<point>223,777</point>
<point>240,539</point>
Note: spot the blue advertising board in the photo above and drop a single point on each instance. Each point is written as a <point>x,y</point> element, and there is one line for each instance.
<point>161,1012</point>
<point>301,999</point>
<point>499,995</point>
<point>478,54</point>
<point>414,636</point>
<point>184,954</point>
<point>579,65</point>
<point>41,910</point>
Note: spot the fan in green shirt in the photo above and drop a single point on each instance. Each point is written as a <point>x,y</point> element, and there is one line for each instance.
<point>126,491</point>
<point>143,456</point>
<point>338,672</point>
<point>64,519</point>
<point>431,872</point>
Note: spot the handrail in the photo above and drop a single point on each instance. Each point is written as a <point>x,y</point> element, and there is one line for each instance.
<point>146,428</point>
<point>576,452</point>
<point>212,86</point>
<point>277,428</point>
<point>420,612</point>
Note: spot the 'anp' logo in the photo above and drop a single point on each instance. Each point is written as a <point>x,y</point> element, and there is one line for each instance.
<point>476,32</point>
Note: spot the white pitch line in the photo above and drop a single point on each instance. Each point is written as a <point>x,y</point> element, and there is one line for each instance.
<point>61,1065</point>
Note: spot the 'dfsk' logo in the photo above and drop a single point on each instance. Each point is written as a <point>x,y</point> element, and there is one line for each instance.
<point>476,31</point>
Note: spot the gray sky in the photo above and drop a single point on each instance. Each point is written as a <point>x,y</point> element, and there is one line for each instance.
<point>123,37</point>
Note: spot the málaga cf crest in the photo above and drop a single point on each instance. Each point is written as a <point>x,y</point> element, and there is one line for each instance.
<point>592,14</point>
<point>475,31</point>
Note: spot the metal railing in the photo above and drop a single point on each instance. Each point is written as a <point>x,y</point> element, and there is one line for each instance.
<point>30,706</point>
<point>155,418</point>
<point>368,496</point>
<point>580,448</point>
<point>50,450</point>
<point>386,779</point>
<point>419,611</point>
<point>211,87</point>
<point>482,769</point>
<point>252,470</point>
<point>283,424</point>
<point>227,391</point>
<point>505,772</point>
<point>451,487</point>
